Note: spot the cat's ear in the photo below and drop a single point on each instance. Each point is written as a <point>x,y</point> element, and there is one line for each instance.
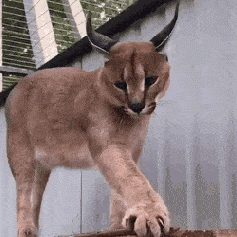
<point>165,57</point>
<point>101,42</point>
<point>160,39</point>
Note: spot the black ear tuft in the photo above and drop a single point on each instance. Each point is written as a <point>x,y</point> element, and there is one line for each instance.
<point>102,42</point>
<point>160,39</point>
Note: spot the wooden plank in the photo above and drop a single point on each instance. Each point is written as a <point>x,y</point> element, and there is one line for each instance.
<point>106,233</point>
<point>173,233</point>
<point>15,70</point>
<point>226,233</point>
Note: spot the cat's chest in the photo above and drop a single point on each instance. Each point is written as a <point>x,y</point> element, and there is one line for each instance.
<point>77,157</point>
<point>72,147</point>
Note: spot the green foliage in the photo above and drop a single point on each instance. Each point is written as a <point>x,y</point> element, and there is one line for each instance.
<point>17,48</point>
<point>103,10</point>
<point>16,44</point>
<point>63,29</point>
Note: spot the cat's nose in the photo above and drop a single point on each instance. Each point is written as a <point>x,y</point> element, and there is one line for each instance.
<point>137,107</point>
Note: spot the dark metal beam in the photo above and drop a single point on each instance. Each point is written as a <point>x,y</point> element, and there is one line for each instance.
<point>15,70</point>
<point>116,25</point>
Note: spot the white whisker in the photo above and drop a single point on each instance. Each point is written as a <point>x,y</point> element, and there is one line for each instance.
<point>164,102</point>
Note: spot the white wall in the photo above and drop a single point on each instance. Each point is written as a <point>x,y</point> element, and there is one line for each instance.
<point>190,153</point>
<point>7,187</point>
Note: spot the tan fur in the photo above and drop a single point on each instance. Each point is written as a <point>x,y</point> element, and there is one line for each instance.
<point>72,118</point>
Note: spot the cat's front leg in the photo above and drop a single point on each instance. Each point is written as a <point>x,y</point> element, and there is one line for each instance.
<point>118,209</point>
<point>146,209</point>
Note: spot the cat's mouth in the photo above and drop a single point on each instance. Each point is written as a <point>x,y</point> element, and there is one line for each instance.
<point>149,109</point>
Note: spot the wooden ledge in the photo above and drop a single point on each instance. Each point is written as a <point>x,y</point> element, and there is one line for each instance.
<point>173,233</point>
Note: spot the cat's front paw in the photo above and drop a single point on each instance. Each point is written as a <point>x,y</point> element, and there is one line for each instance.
<point>148,219</point>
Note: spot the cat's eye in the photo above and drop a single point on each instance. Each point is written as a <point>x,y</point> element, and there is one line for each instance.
<point>150,80</point>
<point>121,85</point>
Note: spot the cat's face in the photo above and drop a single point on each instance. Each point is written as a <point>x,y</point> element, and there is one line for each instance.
<point>135,77</point>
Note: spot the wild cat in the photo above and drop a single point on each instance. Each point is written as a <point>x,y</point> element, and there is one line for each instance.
<point>72,118</point>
